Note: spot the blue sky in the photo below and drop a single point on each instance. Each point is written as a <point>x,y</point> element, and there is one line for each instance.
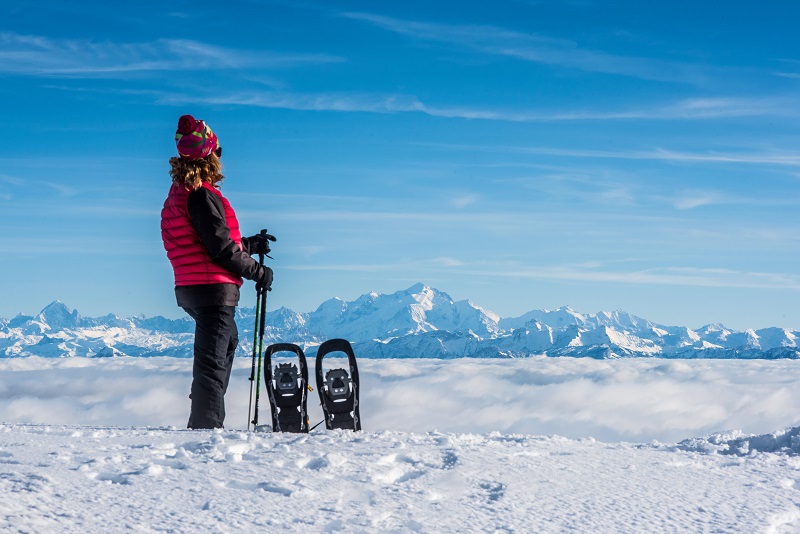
<point>522,154</point>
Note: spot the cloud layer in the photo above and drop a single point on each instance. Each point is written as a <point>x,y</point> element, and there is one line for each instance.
<point>33,55</point>
<point>629,400</point>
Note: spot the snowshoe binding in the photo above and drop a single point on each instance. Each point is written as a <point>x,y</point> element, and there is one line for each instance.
<point>338,389</point>
<point>287,387</point>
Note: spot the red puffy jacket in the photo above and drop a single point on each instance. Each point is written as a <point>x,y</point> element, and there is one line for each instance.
<point>187,254</point>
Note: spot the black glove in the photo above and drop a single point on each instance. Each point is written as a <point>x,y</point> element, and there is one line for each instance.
<point>257,244</point>
<point>264,279</point>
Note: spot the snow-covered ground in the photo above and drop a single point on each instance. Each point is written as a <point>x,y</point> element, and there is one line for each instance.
<point>91,445</point>
<point>101,479</point>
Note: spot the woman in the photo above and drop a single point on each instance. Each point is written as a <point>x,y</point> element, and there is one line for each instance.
<point>210,258</point>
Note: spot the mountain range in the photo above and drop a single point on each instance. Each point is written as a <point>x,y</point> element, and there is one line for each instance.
<point>419,322</point>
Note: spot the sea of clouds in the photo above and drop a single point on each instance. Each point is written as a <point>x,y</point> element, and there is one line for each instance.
<point>636,400</point>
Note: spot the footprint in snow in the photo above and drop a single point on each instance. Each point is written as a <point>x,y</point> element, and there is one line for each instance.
<point>7,458</point>
<point>259,486</point>
<point>335,526</point>
<point>492,491</point>
<point>395,475</point>
<point>790,483</point>
<point>173,463</point>
<point>114,478</point>
<point>315,464</point>
<point>449,460</point>
<point>23,482</point>
<point>152,470</point>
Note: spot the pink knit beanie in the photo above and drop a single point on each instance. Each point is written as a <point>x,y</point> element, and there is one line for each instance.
<point>194,138</point>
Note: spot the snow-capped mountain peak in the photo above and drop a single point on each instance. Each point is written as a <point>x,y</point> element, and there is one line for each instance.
<point>420,321</point>
<point>558,318</point>
<point>415,310</point>
<point>56,316</point>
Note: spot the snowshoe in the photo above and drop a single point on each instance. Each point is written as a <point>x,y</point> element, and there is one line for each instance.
<point>338,390</point>
<point>287,387</point>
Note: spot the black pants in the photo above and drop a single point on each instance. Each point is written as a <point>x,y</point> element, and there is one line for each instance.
<point>215,340</point>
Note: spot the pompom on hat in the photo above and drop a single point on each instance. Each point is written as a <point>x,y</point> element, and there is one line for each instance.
<point>194,138</point>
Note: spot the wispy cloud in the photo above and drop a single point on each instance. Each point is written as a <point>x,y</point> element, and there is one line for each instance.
<point>671,276</point>
<point>462,201</point>
<point>596,186</point>
<point>592,272</point>
<point>373,217</point>
<point>62,189</point>
<point>345,102</point>
<point>723,107</point>
<point>448,262</point>
<point>696,199</point>
<point>793,64</point>
<point>11,180</point>
<point>473,35</point>
<point>349,267</point>
<point>783,158</point>
<point>690,109</point>
<point>538,49</point>
<point>404,103</point>
<point>33,55</point>
<point>33,183</point>
<point>686,109</point>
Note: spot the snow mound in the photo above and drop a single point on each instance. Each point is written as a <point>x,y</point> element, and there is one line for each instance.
<point>786,441</point>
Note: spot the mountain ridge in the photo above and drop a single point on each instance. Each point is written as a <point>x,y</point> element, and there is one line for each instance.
<point>420,321</point>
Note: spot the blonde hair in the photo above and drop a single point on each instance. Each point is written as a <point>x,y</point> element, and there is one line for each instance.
<point>191,173</point>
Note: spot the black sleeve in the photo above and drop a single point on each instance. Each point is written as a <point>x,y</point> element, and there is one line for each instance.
<point>246,245</point>
<point>208,218</point>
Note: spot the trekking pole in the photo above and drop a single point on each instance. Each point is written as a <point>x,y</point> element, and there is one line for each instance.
<point>263,251</point>
<point>255,339</point>
<point>315,426</point>
<point>260,352</point>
